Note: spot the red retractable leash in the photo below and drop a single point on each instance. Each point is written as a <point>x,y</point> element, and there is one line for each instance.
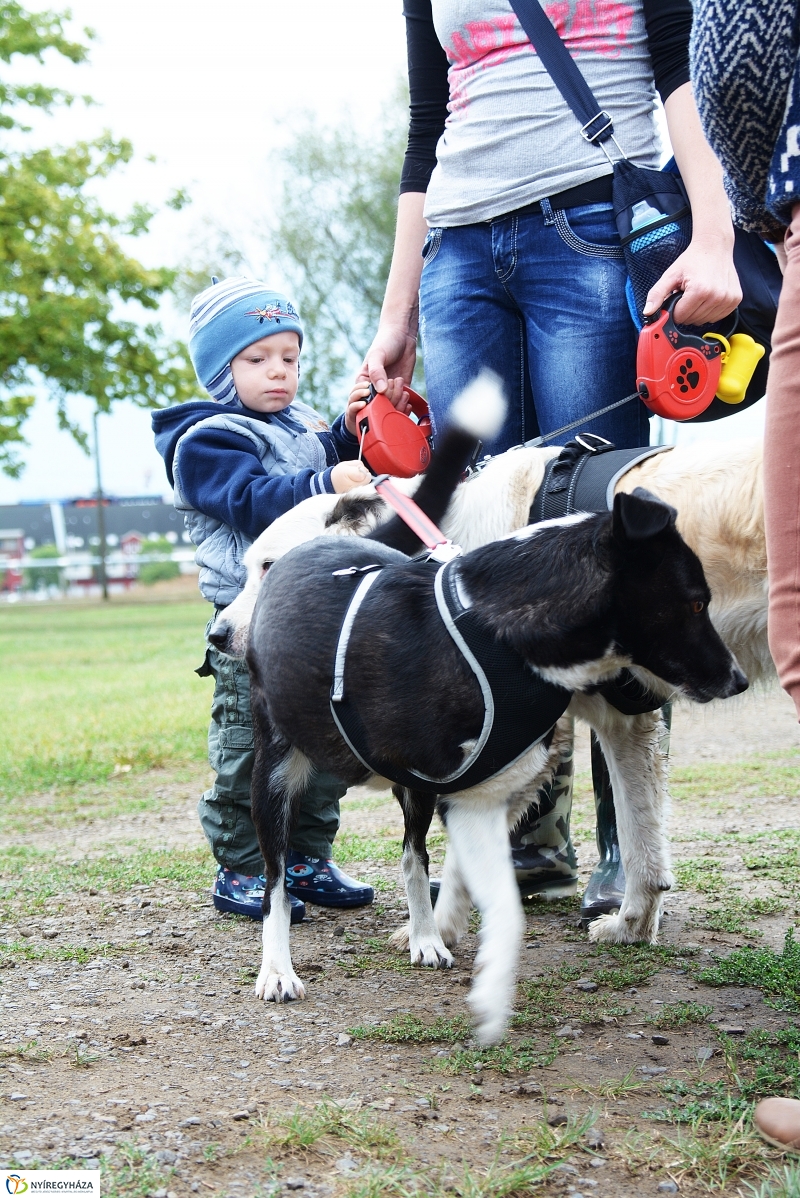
<point>678,374</point>
<point>391,442</point>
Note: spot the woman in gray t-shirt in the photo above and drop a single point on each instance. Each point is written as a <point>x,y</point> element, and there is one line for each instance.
<point>507,255</point>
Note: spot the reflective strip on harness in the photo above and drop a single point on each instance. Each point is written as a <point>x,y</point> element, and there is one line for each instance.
<point>523,716</point>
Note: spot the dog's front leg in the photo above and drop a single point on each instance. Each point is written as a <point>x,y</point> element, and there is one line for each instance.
<point>637,770</point>
<point>420,935</point>
<point>479,840</point>
<point>280,774</point>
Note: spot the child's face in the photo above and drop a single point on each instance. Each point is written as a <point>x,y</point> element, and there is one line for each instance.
<point>265,374</point>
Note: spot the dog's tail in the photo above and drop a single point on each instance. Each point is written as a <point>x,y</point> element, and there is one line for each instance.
<point>476,415</point>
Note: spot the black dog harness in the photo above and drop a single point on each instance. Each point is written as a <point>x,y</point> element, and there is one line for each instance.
<point>582,479</point>
<point>520,708</point>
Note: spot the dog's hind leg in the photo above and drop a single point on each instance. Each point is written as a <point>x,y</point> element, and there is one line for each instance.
<point>420,935</point>
<point>479,841</point>
<point>637,770</point>
<point>280,775</point>
<point>454,904</point>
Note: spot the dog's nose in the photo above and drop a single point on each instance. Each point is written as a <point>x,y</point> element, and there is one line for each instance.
<point>220,631</point>
<point>739,681</point>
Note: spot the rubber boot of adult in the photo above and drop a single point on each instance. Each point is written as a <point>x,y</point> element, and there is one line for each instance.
<point>606,887</point>
<point>544,860</point>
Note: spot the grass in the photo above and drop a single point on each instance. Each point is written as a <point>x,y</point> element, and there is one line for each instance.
<point>764,775</point>
<point>712,1155</point>
<point>328,1126</point>
<point>409,1029</point>
<point>94,687</point>
<point>676,1015</point>
<point>776,975</point>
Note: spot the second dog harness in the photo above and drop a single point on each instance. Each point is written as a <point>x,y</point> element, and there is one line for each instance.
<point>582,479</point>
<point>520,707</point>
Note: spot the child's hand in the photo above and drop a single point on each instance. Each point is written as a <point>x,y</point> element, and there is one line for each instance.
<point>347,475</point>
<point>358,398</point>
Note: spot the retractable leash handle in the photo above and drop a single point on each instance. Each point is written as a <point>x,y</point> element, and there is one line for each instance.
<point>677,373</point>
<point>391,442</point>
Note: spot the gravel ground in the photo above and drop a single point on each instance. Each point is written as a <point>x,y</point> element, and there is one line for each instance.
<point>154,1044</point>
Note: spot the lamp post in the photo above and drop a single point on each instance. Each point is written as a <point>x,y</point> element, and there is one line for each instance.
<point>101,517</point>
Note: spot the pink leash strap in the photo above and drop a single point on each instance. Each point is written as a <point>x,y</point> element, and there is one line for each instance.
<point>409,511</point>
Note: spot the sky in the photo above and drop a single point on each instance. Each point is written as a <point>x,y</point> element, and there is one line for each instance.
<point>210,91</point>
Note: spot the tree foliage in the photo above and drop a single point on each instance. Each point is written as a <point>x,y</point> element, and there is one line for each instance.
<point>70,296</point>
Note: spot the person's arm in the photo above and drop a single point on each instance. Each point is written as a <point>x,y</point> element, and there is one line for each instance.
<point>394,350</point>
<point>705,272</point>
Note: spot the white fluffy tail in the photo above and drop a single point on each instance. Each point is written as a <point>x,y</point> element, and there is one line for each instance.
<point>480,409</point>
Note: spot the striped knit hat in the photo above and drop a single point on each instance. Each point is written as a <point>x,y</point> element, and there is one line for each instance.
<point>226,318</point>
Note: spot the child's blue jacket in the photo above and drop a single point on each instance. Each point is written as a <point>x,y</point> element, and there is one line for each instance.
<point>234,471</point>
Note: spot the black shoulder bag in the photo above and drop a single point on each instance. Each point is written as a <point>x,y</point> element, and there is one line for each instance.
<point>652,212</point>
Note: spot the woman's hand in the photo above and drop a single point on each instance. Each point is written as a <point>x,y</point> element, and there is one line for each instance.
<point>346,475</point>
<point>705,274</point>
<point>394,351</point>
<point>358,399</point>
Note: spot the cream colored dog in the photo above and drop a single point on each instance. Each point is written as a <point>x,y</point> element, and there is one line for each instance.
<point>716,489</point>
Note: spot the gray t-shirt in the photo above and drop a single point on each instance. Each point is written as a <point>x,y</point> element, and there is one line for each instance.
<point>510,138</point>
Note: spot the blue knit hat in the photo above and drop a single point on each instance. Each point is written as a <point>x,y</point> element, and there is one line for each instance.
<point>226,318</point>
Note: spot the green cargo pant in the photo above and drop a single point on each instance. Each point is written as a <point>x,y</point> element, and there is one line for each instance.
<point>224,810</point>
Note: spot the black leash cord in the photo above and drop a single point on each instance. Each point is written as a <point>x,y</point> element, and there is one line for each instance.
<point>576,423</point>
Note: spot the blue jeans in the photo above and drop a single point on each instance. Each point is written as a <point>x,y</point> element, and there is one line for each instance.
<point>538,298</point>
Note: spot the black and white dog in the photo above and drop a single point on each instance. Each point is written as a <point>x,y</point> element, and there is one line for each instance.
<point>577,600</point>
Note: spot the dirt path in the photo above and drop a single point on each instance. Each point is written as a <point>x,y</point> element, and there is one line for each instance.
<point>151,1051</point>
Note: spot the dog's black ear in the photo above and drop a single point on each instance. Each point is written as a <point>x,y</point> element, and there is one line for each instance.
<point>640,515</point>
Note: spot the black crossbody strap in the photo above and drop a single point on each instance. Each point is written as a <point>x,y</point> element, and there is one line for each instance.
<point>596,124</point>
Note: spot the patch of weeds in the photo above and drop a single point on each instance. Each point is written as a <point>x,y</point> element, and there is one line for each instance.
<point>713,1155</point>
<point>520,1057</point>
<point>32,1051</point>
<point>675,1015</point>
<point>635,963</point>
<point>536,905</point>
<point>703,874</point>
<point>384,848</point>
<point>612,1087</point>
<point>764,1063</point>
<point>409,1029</point>
<point>29,877</point>
<point>774,974</point>
<point>23,950</point>
<point>535,1151</point>
<point>131,1172</point>
<point>732,913</point>
<point>764,775</point>
<point>543,998</point>
<point>323,1129</point>
<point>80,1056</point>
<point>783,1182</point>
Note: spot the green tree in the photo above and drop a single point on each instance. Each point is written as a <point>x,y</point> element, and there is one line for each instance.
<point>40,578</point>
<point>70,295</point>
<point>333,238</point>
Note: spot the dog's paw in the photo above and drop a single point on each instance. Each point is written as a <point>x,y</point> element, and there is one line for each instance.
<point>430,951</point>
<point>400,938</point>
<point>274,986</point>
<point>623,927</point>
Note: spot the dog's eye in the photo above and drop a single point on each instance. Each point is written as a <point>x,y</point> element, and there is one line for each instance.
<point>698,606</point>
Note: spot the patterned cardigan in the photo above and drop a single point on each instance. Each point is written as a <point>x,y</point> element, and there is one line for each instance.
<point>746,78</point>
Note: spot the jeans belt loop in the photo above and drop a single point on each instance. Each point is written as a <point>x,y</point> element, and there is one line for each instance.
<point>547,211</point>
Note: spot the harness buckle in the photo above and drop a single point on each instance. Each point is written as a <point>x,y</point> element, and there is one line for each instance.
<point>445,552</point>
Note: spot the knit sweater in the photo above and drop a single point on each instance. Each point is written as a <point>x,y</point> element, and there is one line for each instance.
<point>746,77</point>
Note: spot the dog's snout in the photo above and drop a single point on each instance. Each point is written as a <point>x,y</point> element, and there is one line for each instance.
<point>739,681</point>
<point>219,633</point>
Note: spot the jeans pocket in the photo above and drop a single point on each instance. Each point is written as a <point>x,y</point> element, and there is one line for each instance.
<point>595,220</point>
<point>430,247</point>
